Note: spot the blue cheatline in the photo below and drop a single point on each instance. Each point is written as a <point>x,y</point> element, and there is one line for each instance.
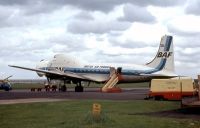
<point>160,66</point>
<point>168,43</point>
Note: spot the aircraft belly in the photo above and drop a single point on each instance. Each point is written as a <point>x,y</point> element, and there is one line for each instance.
<point>97,77</point>
<point>131,78</point>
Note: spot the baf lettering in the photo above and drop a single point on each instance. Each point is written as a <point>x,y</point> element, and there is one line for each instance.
<point>164,54</point>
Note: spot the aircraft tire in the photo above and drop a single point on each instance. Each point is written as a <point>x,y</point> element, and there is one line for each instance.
<point>63,88</point>
<point>79,89</point>
<point>6,89</point>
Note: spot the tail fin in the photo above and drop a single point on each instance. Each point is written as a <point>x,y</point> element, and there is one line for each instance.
<point>164,59</point>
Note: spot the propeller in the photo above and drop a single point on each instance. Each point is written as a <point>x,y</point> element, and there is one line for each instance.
<point>6,79</point>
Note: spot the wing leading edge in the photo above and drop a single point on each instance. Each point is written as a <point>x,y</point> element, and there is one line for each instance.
<point>59,73</point>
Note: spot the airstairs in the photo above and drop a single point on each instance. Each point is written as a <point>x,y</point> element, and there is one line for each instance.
<point>110,85</point>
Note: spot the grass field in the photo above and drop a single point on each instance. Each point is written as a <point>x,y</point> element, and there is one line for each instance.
<point>92,85</point>
<point>77,114</point>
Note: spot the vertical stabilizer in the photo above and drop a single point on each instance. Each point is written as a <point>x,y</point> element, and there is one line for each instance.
<point>164,59</point>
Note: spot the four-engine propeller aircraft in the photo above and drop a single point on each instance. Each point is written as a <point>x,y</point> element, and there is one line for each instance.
<point>69,69</point>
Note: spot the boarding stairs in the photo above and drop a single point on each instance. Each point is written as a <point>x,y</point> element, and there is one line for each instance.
<point>110,85</point>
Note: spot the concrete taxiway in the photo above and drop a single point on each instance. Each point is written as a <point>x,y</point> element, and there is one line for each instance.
<point>89,93</point>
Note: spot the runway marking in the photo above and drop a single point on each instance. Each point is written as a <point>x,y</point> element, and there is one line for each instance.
<point>30,100</point>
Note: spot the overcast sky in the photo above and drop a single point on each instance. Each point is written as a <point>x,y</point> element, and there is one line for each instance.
<point>121,31</point>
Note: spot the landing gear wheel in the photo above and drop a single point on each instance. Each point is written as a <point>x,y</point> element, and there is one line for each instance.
<point>79,89</point>
<point>63,88</point>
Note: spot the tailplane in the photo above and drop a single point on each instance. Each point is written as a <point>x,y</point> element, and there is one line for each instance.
<point>164,59</point>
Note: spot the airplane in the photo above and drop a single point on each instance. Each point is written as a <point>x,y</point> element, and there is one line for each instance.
<point>5,85</point>
<point>69,69</point>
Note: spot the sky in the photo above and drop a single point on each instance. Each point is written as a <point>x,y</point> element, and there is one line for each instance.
<point>117,31</point>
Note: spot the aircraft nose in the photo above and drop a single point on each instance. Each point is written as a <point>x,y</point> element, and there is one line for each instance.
<point>42,65</point>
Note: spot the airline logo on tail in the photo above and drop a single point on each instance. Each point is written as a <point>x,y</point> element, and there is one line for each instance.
<point>164,54</point>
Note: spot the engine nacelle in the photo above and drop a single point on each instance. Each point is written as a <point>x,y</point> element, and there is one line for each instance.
<point>42,65</point>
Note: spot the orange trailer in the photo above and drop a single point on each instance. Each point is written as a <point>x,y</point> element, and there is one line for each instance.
<point>171,89</point>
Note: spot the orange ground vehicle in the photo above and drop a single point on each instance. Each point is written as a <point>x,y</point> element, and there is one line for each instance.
<point>171,89</point>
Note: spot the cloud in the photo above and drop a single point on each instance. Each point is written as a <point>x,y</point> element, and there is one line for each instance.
<point>187,54</point>
<point>127,43</point>
<point>67,43</point>
<point>184,25</point>
<point>107,6</point>
<point>123,59</point>
<point>134,13</point>
<point>14,2</point>
<point>94,26</point>
<point>14,17</point>
<point>193,7</point>
<point>84,15</point>
<point>30,7</point>
<point>39,8</point>
<point>161,3</point>
<point>176,31</point>
<point>7,13</point>
<point>127,51</point>
<point>100,5</point>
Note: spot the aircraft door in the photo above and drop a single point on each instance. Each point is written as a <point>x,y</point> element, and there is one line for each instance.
<point>119,70</point>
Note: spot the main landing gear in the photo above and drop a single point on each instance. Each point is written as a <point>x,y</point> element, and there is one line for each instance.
<point>79,87</point>
<point>63,88</point>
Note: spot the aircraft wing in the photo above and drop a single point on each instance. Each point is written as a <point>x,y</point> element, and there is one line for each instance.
<point>67,74</point>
